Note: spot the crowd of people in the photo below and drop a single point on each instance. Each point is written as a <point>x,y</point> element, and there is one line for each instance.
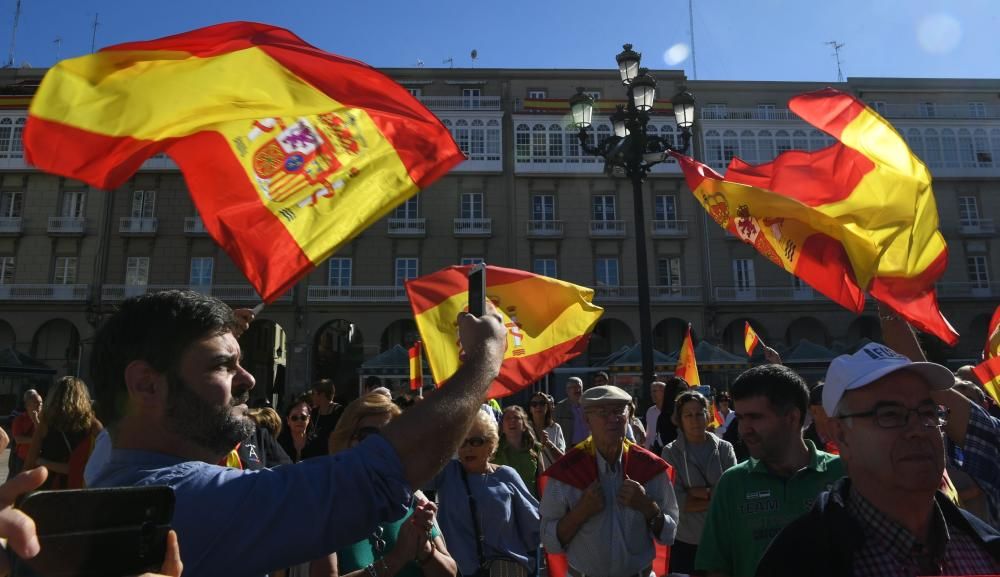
<point>890,466</point>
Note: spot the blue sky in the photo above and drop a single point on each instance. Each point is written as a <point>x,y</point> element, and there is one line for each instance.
<point>735,39</point>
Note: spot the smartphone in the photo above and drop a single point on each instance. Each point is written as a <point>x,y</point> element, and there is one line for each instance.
<point>114,532</point>
<point>477,290</point>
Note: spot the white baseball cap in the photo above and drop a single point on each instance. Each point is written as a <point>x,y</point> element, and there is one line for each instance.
<point>871,363</point>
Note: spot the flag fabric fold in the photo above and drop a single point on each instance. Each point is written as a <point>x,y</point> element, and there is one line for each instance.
<point>687,365</point>
<point>992,347</point>
<point>856,216</point>
<point>416,368</point>
<point>288,151</point>
<point>750,338</point>
<point>988,373</point>
<point>548,321</point>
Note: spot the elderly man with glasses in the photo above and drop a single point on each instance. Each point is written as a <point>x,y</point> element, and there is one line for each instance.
<point>608,499</point>
<point>887,517</point>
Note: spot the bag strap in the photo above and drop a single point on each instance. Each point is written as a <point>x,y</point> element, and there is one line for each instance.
<point>475,516</point>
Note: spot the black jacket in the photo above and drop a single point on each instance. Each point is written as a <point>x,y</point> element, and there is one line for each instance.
<point>823,541</point>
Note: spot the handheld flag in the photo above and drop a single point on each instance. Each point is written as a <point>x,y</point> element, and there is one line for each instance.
<point>992,348</point>
<point>548,321</point>
<point>288,151</point>
<point>750,338</point>
<point>416,368</point>
<point>988,373</point>
<point>687,365</point>
<point>858,215</point>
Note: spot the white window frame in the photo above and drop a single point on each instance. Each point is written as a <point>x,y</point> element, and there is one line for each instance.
<point>406,268</point>
<point>74,204</point>
<point>143,204</point>
<point>546,267</point>
<point>543,207</point>
<point>410,209</point>
<point>978,271</point>
<point>536,95</point>
<point>471,205</point>
<point>340,271</point>
<point>11,204</point>
<point>607,271</point>
<point>415,92</point>
<point>604,208</point>
<point>744,280</point>
<point>665,207</point>
<point>968,211</point>
<point>64,270</point>
<point>202,269</point>
<point>467,260</point>
<point>669,272</point>
<point>8,266</point>
<point>472,97</point>
<point>137,271</point>
<point>977,109</point>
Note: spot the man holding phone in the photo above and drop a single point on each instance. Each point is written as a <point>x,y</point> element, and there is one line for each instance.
<point>167,372</point>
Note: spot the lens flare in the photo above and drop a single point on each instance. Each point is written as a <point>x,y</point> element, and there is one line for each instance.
<point>676,54</point>
<point>939,33</point>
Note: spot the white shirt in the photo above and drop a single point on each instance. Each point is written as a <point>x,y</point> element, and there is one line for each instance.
<point>615,541</point>
<point>652,415</point>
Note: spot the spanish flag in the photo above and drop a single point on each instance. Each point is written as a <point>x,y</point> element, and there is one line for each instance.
<point>856,216</point>
<point>687,365</point>
<point>416,368</point>
<point>988,373</point>
<point>548,321</point>
<point>992,348</point>
<point>750,338</point>
<point>288,151</point>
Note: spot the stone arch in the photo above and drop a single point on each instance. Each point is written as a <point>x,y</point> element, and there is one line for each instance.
<point>806,328</point>
<point>401,332</point>
<point>864,327</point>
<point>668,334</point>
<point>732,335</point>
<point>7,336</point>
<point>337,353</point>
<point>265,354</point>
<point>609,335</point>
<point>57,344</point>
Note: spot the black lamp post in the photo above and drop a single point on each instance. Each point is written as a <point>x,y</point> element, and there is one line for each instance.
<point>631,153</point>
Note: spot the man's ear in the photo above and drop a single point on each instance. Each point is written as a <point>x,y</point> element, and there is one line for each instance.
<point>146,386</point>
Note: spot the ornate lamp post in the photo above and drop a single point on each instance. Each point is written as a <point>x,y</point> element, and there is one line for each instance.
<point>631,153</point>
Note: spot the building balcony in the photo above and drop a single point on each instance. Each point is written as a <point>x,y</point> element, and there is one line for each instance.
<point>607,228</point>
<point>134,225</point>
<point>766,294</point>
<point>950,111</point>
<point>194,225</point>
<point>67,225</point>
<point>473,227</point>
<point>461,102</point>
<point>237,293</point>
<point>977,227</point>
<point>10,225</point>
<point>659,293</point>
<point>670,228</point>
<point>967,290</point>
<point>44,292</point>
<point>545,229</point>
<point>413,227</point>
<point>372,294</point>
<point>747,114</point>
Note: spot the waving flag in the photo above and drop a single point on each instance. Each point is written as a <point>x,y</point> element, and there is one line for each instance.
<point>288,151</point>
<point>549,321</point>
<point>687,365</point>
<point>858,215</point>
<point>416,368</point>
<point>750,338</point>
<point>988,373</point>
<point>992,348</point>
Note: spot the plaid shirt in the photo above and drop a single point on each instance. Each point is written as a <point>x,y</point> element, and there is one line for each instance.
<point>889,549</point>
<point>981,458</point>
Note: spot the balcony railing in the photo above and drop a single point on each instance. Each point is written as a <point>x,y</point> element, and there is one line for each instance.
<point>319,294</point>
<point>670,228</point>
<point>194,225</point>
<point>938,111</point>
<point>545,228</point>
<point>236,293</point>
<point>747,114</point>
<point>765,293</point>
<point>407,226</point>
<point>473,226</point>
<point>44,292</point>
<point>461,102</point>
<point>974,290</point>
<point>977,227</point>
<point>610,228</point>
<point>67,225</point>
<point>10,225</point>
<point>135,225</point>
<point>658,293</point>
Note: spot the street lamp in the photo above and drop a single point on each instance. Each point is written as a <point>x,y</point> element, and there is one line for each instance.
<point>631,153</point>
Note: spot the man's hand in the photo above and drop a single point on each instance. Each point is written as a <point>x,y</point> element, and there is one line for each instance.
<point>592,500</point>
<point>172,566</point>
<point>771,355</point>
<point>633,495</point>
<point>16,527</point>
<point>483,335</point>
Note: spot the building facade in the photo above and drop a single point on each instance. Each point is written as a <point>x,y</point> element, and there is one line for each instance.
<point>526,198</point>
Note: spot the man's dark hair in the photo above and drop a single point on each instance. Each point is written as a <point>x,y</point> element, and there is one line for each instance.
<point>674,386</point>
<point>780,385</point>
<point>155,328</point>
<point>325,387</point>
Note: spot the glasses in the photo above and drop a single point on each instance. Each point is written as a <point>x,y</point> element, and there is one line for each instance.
<point>608,412</point>
<point>897,416</point>
<point>297,418</point>
<point>538,403</point>
<point>474,442</point>
<point>363,433</point>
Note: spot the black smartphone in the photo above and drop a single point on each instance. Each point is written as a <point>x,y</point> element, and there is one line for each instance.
<point>113,532</point>
<point>477,290</point>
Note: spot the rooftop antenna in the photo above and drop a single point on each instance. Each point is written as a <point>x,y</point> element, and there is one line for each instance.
<point>93,34</point>
<point>694,59</point>
<point>58,43</point>
<point>420,63</point>
<point>836,52</point>
<point>13,34</point>
<point>449,61</point>
<point>474,55</point>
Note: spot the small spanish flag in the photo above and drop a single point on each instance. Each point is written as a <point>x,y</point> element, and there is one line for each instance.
<point>988,373</point>
<point>548,321</point>
<point>288,152</point>
<point>416,368</point>
<point>750,338</point>
<point>687,365</point>
<point>992,348</point>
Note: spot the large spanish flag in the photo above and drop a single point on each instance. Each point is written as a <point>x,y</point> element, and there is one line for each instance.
<point>856,216</point>
<point>288,151</point>
<point>548,321</point>
<point>687,365</point>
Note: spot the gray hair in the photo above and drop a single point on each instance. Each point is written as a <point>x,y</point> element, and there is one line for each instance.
<point>576,380</point>
<point>31,394</point>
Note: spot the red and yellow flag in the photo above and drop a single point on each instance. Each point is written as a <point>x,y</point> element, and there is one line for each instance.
<point>988,373</point>
<point>750,338</point>
<point>288,151</point>
<point>687,365</point>
<point>858,215</point>
<point>548,321</point>
<point>416,368</point>
<point>992,348</point>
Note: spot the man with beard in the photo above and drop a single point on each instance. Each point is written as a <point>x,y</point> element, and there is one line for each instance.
<point>756,499</point>
<point>887,517</point>
<point>167,371</point>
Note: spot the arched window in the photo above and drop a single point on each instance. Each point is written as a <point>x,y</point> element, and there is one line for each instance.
<point>539,151</point>
<point>916,141</point>
<point>748,146</point>
<point>713,149</point>
<point>782,141</point>
<point>799,140</point>
<point>462,135</point>
<point>817,140</point>
<point>949,148</point>
<point>981,148</point>
<point>995,145</point>
<point>477,140</point>
<point>730,145</point>
<point>555,143</point>
<point>765,146</point>
<point>522,143</point>
<point>966,155</point>
<point>932,149</point>
<point>572,142</point>
<point>493,140</point>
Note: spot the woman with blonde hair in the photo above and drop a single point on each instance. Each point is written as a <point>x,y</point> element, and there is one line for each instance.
<point>65,434</point>
<point>410,547</point>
